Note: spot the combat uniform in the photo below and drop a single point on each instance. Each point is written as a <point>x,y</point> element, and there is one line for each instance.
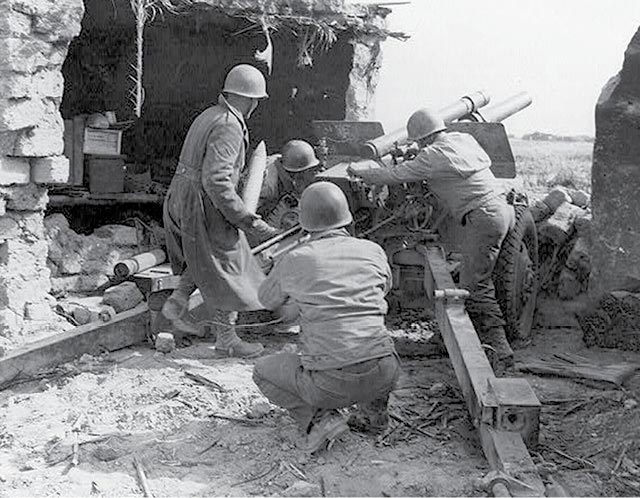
<point>457,170</point>
<point>336,284</point>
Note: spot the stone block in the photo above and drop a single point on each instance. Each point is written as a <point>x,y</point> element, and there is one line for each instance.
<point>123,297</point>
<point>165,342</point>
<point>65,284</point>
<point>92,282</point>
<point>24,55</point>
<point>8,228</point>
<point>303,488</point>
<point>48,83</point>
<point>71,265</point>
<point>10,322</point>
<point>53,20</point>
<point>32,228</point>
<point>25,198</point>
<point>14,171</point>
<point>16,85</point>
<point>25,266</point>
<point>14,24</point>
<point>16,114</point>
<point>118,235</point>
<point>55,223</point>
<point>8,142</point>
<point>38,311</point>
<point>45,83</point>
<point>40,141</point>
<point>48,170</point>
<point>615,237</point>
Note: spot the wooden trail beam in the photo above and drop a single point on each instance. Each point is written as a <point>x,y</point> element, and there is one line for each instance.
<point>126,329</point>
<point>506,411</point>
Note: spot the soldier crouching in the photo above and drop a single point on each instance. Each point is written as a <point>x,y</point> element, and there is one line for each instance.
<point>336,284</point>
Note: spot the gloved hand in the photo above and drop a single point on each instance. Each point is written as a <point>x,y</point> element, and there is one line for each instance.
<point>261,230</point>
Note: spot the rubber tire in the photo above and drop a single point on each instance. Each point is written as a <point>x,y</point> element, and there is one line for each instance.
<point>516,276</point>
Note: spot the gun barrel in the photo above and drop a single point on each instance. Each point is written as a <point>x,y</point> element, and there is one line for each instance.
<point>469,104</point>
<point>502,110</point>
<point>464,106</point>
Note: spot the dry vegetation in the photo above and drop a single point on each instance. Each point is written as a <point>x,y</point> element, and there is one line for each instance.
<point>542,165</point>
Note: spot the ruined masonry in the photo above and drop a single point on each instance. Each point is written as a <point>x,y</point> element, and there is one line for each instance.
<point>34,36</point>
<point>616,180</point>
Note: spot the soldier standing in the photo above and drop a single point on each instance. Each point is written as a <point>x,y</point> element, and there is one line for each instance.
<point>205,219</point>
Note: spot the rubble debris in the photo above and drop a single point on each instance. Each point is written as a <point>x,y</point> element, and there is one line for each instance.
<point>118,235</point>
<point>81,263</point>
<point>303,488</point>
<point>123,297</point>
<point>200,379</point>
<point>165,342</point>
<point>259,410</point>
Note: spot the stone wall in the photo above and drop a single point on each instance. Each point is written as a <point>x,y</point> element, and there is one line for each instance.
<point>34,36</point>
<point>363,79</point>
<point>616,180</point>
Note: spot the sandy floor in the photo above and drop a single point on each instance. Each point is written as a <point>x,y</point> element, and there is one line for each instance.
<point>139,404</point>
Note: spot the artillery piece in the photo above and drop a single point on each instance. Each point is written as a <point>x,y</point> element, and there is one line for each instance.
<point>422,242</point>
<point>402,218</point>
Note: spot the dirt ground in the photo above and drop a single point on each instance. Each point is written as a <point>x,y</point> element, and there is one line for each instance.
<point>225,440</point>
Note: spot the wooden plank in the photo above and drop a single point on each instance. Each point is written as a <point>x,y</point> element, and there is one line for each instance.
<point>104,200</point>
<point>506,452</point>
<point>78,146</point>
<point>126,329</point>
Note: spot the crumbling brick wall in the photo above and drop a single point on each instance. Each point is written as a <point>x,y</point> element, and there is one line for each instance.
<point>616,180</point>
<point>34,36</point>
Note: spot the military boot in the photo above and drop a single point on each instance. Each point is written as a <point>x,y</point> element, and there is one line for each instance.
<point>370,418</point>
<point>227,341</point>
<point>500,352</point>
<point>327,428</point>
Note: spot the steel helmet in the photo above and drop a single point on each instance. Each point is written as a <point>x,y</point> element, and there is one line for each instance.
<point>298,155</point>
<point>323,206</point>
<point>423,123</point>
<point>247,81</point>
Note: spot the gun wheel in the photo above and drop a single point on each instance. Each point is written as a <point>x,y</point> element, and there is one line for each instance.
<point>516,276</point>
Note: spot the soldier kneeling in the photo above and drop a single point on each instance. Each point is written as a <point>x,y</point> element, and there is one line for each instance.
<point>336,284</point>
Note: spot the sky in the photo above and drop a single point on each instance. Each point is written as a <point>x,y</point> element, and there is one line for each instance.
<point>560,51</point>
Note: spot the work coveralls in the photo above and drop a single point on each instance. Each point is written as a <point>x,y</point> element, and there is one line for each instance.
<point>456,169</point>
<point>204,217</point>
<point>337,285</point>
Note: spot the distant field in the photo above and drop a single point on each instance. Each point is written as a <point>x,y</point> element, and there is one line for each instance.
<point>541,165</point>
